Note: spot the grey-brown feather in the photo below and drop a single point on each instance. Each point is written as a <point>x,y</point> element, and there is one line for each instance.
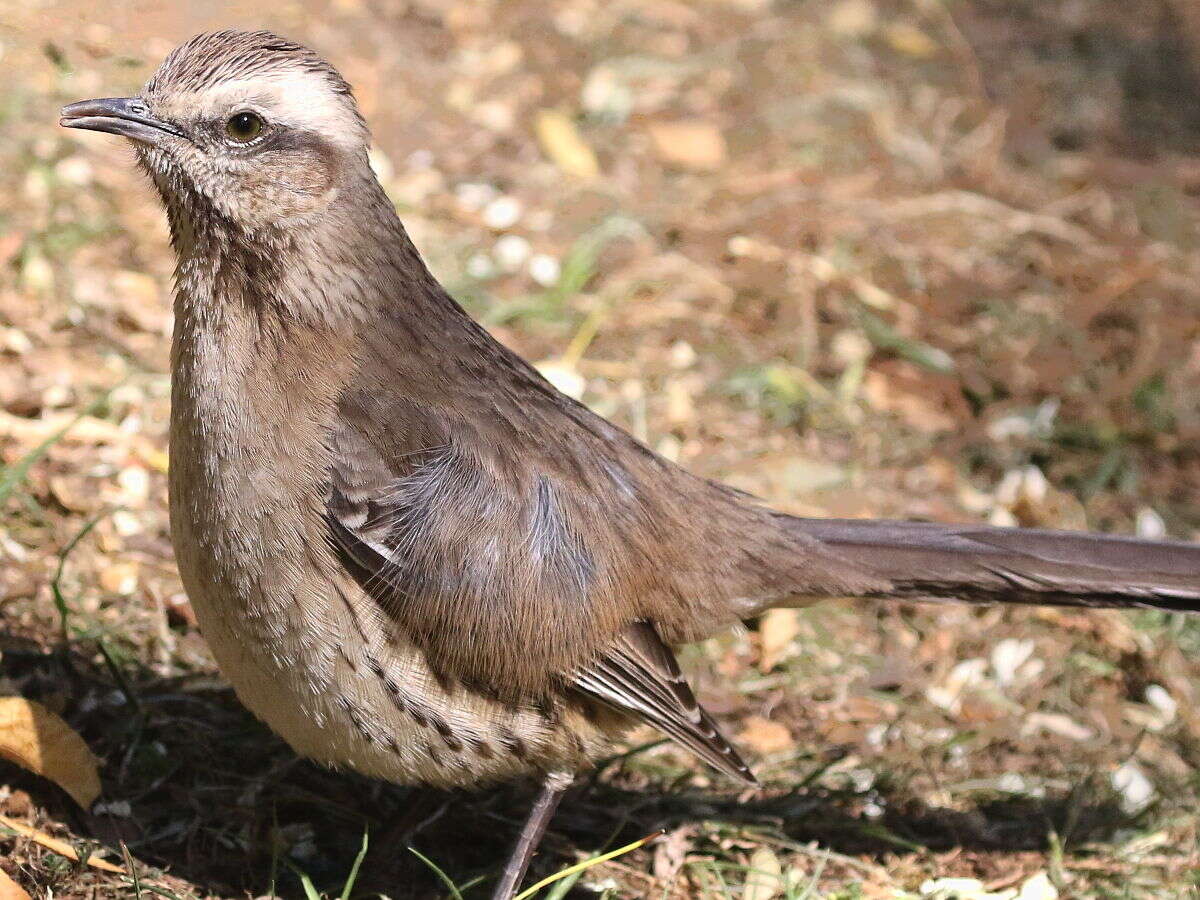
<point>639,676</point>
<point>927,560</point>
<point>210,58</point>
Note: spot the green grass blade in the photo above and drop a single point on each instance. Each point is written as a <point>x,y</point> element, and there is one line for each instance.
<point>60,602</point>
<point>565,885</point>
<point>586,864</point>
<point>353,876</point>
<point>310,892</point>
<point>454,892</point>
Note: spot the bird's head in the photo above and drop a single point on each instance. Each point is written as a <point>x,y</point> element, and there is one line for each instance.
<point>250,126</point>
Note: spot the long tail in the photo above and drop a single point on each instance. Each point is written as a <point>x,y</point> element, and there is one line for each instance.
<point>925,560</point>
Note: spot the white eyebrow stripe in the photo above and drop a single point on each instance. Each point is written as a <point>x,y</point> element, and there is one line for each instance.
<point>290,98</point>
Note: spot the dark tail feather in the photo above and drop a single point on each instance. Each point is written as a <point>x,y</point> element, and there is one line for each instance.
<point>927,560</point>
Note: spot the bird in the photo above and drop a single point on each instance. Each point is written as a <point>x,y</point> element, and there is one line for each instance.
<point>410,554</point>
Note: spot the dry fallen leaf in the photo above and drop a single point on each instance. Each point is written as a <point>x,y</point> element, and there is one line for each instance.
<point>910,40</point>
<point>139,298</point>
<point>690,145</point>
<point>765,879</point>
<point>10,244</point>
<point>852,18</point>
<point>562,142</point>
<point>36,739</point>
<point>776,631</point>
<point>764,736</point>
<point>62,848</point>
<point>120,578</point>
<point>671,852</point>
<point>9,889</point>
<point>921,412</point>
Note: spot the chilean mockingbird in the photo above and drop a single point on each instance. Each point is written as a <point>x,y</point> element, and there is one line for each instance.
<point>410,554</point>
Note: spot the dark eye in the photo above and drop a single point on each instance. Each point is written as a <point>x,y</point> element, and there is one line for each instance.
<point>244,127</point>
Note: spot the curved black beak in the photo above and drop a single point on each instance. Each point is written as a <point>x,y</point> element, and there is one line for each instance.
<point>126,116</point>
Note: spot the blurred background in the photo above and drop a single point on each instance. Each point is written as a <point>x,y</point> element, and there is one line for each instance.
<point>919,258</point>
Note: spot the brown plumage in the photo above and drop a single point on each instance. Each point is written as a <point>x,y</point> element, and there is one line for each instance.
<point>410,554</point>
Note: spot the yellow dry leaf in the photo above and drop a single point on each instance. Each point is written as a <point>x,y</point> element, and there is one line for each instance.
<point>120,578</point>
<point>562,142</point>
<point>765,878</point>
<point>9,889</point>
<point>764,736</point>
<point>153,457</point>
<point>693,144</point>
<point>38,740</point>
<point>920,411</point>
<point>910,40</point>
<point>62,848</point>
<point>776,631</point>
<point>852,18</point>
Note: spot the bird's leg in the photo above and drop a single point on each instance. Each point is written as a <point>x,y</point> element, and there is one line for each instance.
<point>531,833</point>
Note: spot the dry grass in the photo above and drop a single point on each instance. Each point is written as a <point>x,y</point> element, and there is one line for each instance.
<point>877,257</point>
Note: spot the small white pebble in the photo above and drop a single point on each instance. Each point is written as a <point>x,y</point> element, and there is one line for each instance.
<point>1157,696</point>
<point>850,347</point>
<point>1150,524</point>
<point>604,94</point>
<point>1058,724</point>
<point>475,195</point>
<point>544,269</point>
<point>480,266</point>
<point>37,275</point>
<point>74,170</point>
<point>1008,657</point>
<point>1038,887</point>
<point>36,187</point>
<point>135,483</point>
<point>126,523</point>
<point>1134,787</point>
<point>503,212</point>
<point>1008,427</point>
<point>494,115</point>
<point>14,551</point>
<point>861,780</point>
<point>511,252</point>
<point>683,355</point>
<point>58,395</point>
<point>572,22</point>
<point>1002,518</point>
<point>15,341</point>
<point>420,159</point>
<point>1012,783</point>
<point>952,888</point>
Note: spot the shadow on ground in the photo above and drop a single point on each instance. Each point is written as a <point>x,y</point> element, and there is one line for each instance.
<point>218,801</point>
